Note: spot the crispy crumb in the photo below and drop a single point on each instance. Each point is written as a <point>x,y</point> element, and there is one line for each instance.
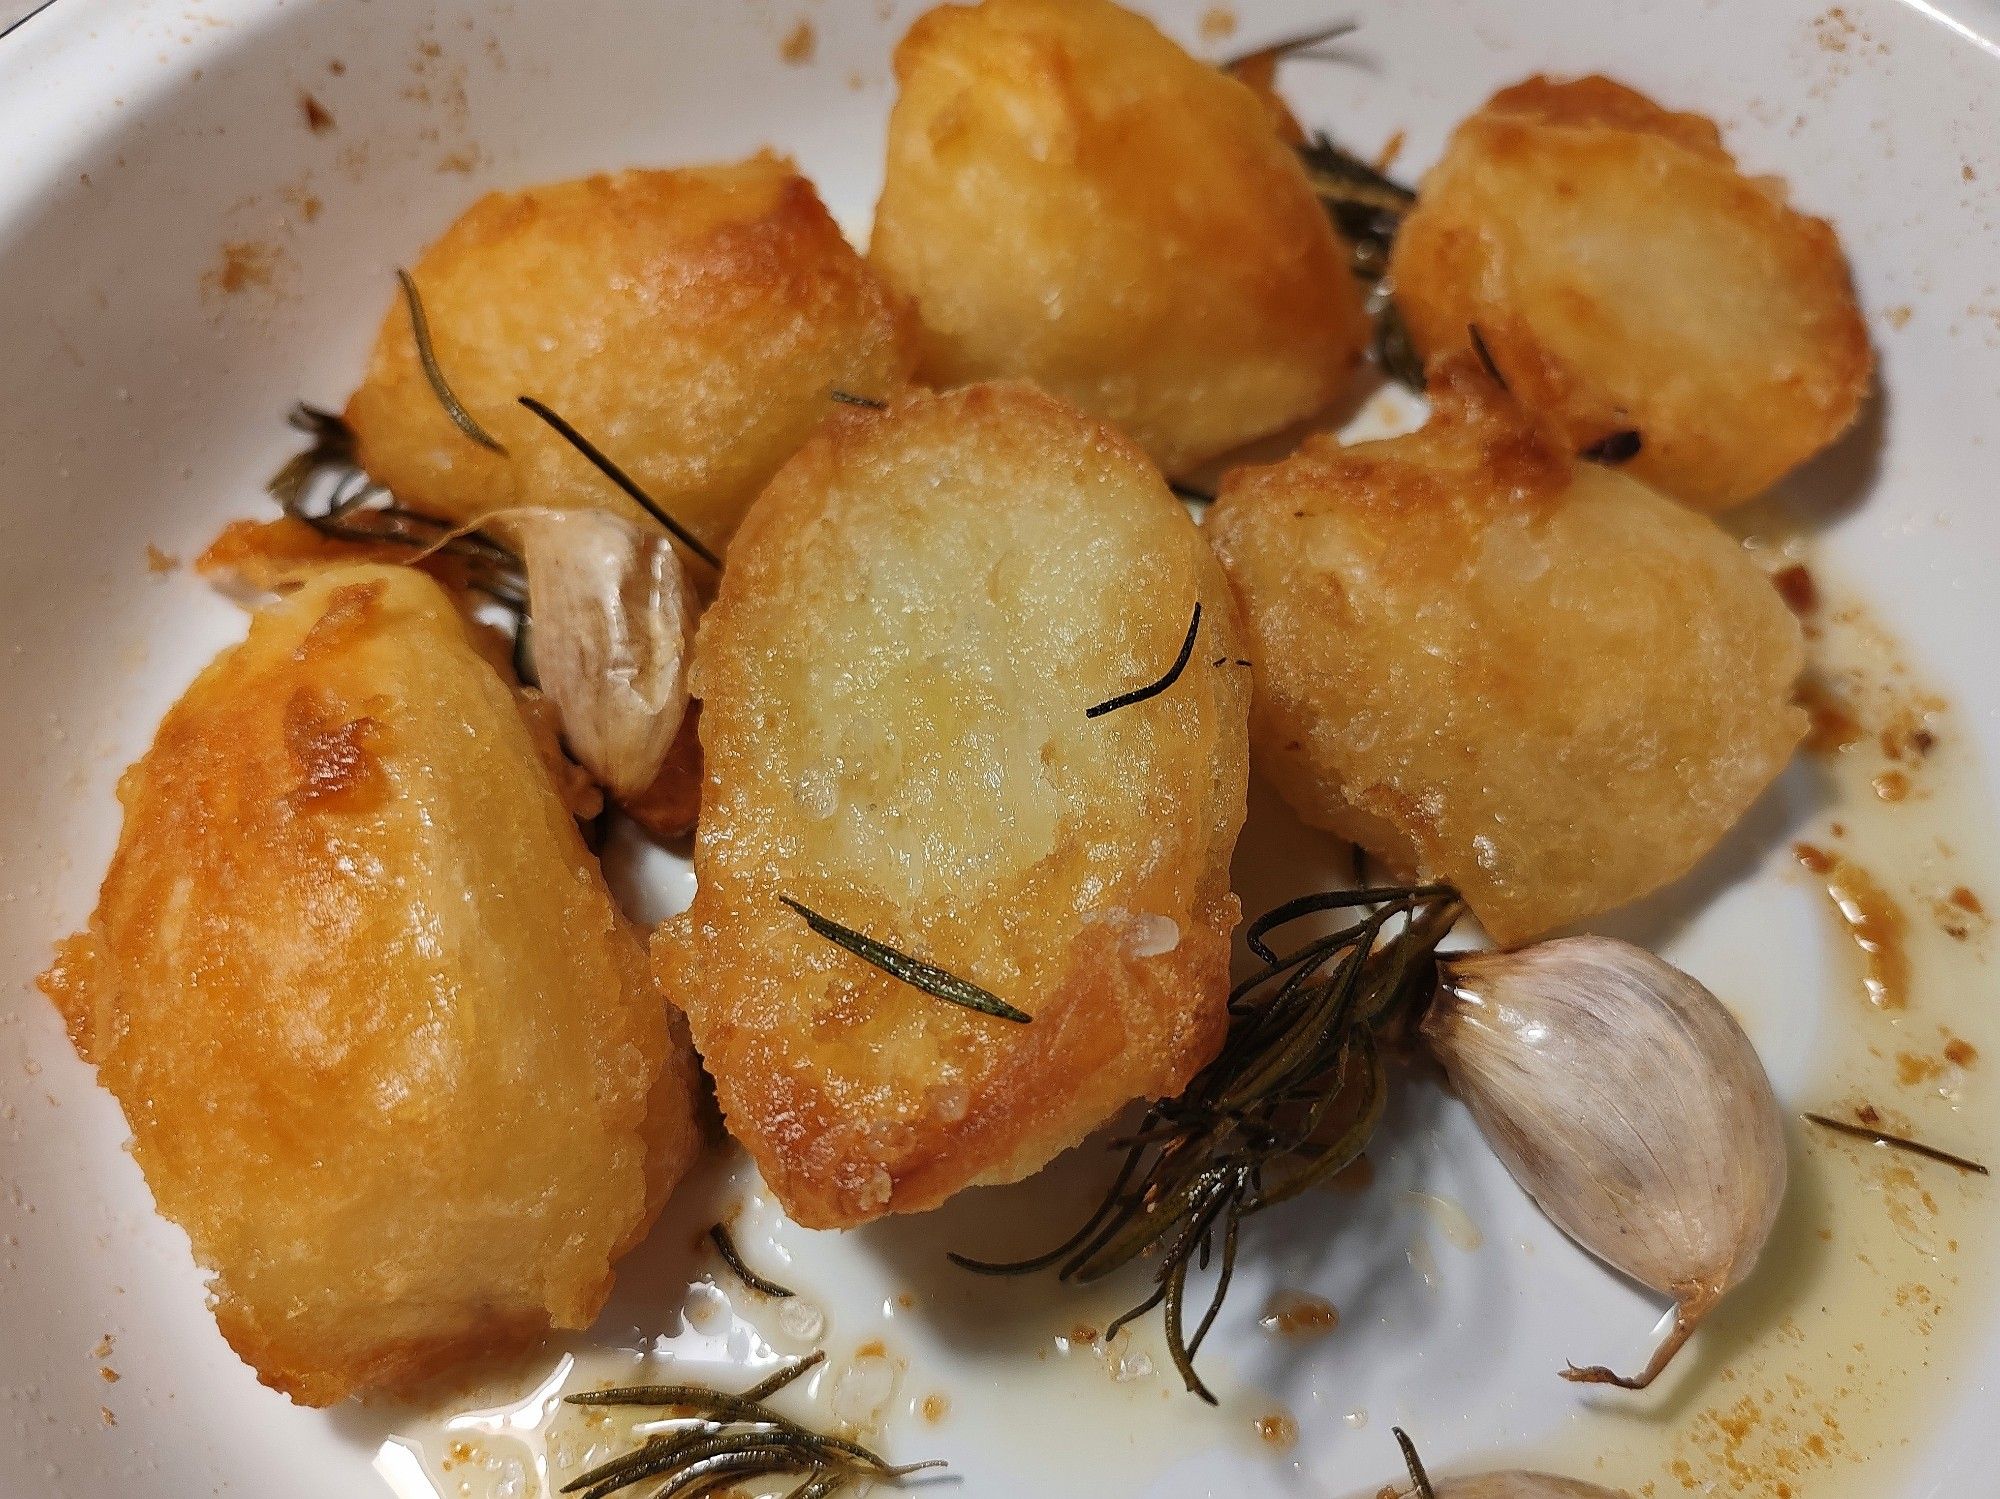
<point>104,1412</point>
<point>1796,587</point>
<point>243,263</point>
<point>1892,786</point>
<point>1898,317</point>
<point>1960,1053</point>
<point>319,119</point>
<point>1218,22</point>
<point>158,561</point>
<point>800,43</point>
<point>108,1374</point>
<point>103,1348</point>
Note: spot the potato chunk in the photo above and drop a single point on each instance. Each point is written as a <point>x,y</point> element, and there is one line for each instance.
<point>388,1053</point>
<point>1486,663</point>
<point>1626,277</point>
<point>690,323</point>
<point>894,680</point>
<point>1072,199</point>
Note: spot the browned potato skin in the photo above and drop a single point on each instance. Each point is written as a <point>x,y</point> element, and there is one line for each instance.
<point>1625,275</point>
<point>894,679</point>
<point>1486,663</point>
<point>388,1053</point>
<point>1071,199</point>
<point>690,323</point>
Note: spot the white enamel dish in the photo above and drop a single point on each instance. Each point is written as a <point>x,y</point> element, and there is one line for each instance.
<point>153,156</point>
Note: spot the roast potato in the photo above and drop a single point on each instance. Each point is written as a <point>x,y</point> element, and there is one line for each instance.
<point>1626,277</point>
<point>388,1053</point>
<point>895,679</point>
<point>1071,199</point>
<point>1488,663</point>
<point>689,323</point>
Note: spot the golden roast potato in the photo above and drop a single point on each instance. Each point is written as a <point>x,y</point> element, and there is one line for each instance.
<point>1490,664</point>
<point>388,1053</point>
<point>1071,199</point>
<point>895,682</point>
<point>689,323</point>
<point>1627,278</point>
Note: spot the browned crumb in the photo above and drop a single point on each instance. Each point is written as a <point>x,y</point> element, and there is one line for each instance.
<point>1392,148</point>
<point>1869,1115</point>
<point>243,263</point>
<point>458,161</point>
<point>1796,587</point>
<point>1960,1053</point>
<point>1967,173</point>
<point>1912,1069</point>
<point>319,119</point>
<point>873,1348</point>
<point>336,67</point>
<point>935,1408</point>
<point>1083,1332</point>
<point>800,43</point>
<point>103,1348</point>
<point>158,561</point>
<point>1217,23</point>
<point>1898,317</point>
<point>105,1412</point>
<point>1832,724</point>
<point>108,1374</point>
<point>1965,900</point>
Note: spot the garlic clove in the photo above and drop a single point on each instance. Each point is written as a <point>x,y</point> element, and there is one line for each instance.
<point>614,617</point>
<point>1629,1104</point>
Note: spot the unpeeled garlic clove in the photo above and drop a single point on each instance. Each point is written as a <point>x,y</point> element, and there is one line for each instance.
<point>614,618</point>
<point>1629,1104</point>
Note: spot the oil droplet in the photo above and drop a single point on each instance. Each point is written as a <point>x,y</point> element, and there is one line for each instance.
<point>1424,1263</point>
<point>1294,1314</point>
<point>1278,1430</point>
<point>1873,920</point>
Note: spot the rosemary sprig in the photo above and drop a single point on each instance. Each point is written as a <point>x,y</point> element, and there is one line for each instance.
<point>420,326</point>
<point>603,464</point>
<point>1160,684</point>
<point>913,971</point>
<point>1364,203</point>
<point>325,487</point>
<point>726,1247</point>
<point>1897,1142</point>
<point>732,1437</point>
<point>1291,1099</point>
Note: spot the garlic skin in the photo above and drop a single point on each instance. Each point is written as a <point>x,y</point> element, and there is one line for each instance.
<point>1629,1104</point>
<point>614,618</point>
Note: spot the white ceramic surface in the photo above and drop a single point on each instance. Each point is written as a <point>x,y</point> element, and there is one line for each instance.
<point>140,403</point>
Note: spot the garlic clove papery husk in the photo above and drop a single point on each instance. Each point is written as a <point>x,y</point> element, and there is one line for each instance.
<point>1629,1104</point>
<point>614,617</point>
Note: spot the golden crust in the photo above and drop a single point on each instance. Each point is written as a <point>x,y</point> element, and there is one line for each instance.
<point>388,1053</point>
<point>690,323</point>
<point>1534,678</point>
<point>1071,199</point>
<point>894,680</point>
<point>1626,276</point>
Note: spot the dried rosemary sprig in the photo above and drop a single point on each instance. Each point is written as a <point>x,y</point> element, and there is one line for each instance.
<point>1159,684</point>
<point>1897,1142</point>
<point>725,1246</point>
<point>420,328</point>
<point>1291,1100</point>
<point>325,487</point>
<point>732,1438</point>
<point>915,972</point>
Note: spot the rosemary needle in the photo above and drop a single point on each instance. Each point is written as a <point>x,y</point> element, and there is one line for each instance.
<point>1154,688</point>
<point>849,398</point>
<point>913,971</point>
<point>726,1247</point>
<point>1615,447</point>
<point>1478,341</point>
<point>1898,1142</point>
<point>1420,1481</point>
<point>454,408</point>
<point>604,465</point>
